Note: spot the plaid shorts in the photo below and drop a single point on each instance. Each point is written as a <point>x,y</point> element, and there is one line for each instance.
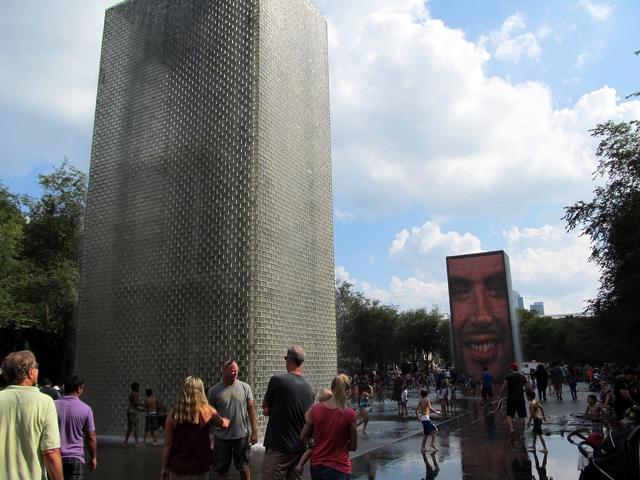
<point>72,468</point>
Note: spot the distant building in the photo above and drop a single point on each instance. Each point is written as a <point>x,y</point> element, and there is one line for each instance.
<point>537,307</point>
<point>519,300</point>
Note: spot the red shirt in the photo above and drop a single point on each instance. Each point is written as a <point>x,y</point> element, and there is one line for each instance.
<point>331,433</point>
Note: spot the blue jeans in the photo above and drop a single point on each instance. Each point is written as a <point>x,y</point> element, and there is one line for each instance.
<point>320,472</point>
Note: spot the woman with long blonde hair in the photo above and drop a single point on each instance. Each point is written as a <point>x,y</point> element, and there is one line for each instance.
<point>333,426</point>
<point>187,447</point>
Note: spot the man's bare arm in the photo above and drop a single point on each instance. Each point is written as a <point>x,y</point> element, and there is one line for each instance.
<point>53,464</point>
<point>93,450</point>
<point>305,434</point>
<point>251,410</point>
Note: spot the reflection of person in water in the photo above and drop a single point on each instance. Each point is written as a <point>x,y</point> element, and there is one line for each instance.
<point>490,426</point>
<point>432,472</point>
<point>541,469</point>
<point>520,463</point>
<point>480,313</point>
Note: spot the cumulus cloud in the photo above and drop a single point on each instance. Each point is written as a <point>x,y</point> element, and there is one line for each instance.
<point>550,264</point>
<point>423,249</point>
<point>369,290</point>
<point>547,264</point>
<point>412,292</point>
<point>510,43</point>
<point>417,121</point>
<point>415,293</point>
<point>429,239</point>
<point>599,11</point>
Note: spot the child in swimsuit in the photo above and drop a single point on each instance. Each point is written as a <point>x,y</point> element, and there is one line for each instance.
<point>536,415</point>
<point>423,409</point>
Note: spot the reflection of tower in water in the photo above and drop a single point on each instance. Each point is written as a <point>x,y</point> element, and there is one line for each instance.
<point>484,458</point>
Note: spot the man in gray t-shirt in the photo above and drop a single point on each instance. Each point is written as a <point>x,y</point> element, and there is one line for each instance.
<point>233,399</point>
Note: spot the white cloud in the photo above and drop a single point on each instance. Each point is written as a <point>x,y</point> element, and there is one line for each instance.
<point>509,45</point>
<point>411,292</point>
<point>368,289</point>
<point>416,120</point>
<point>342,275</point>
<point>344,215</point>
<point>546,263</point>
<point>599,11</point>
<point>581,60</point>
<point>551,265</point>
<point>415,293</point>
<point>423,250</point>
<point>429,238</point>
<point>398,243</point>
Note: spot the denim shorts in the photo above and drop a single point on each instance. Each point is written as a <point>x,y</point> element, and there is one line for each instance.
<point>320,472</point>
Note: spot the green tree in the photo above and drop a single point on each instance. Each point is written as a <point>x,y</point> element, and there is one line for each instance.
<point>371,335</point>
<point>13,312</point>
<point>376,333</point>
<point>348,303</point>
<point>40,241</point>
<point>51,248</point>
<point>612,221</point>
<point>420,333</point>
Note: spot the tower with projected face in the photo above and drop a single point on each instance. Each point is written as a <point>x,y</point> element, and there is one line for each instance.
<point>209,231</point>
<point>483,319</point>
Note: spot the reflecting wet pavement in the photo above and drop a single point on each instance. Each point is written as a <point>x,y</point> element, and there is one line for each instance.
<point>472,444</point>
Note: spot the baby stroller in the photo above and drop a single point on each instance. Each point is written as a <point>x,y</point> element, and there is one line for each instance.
<point>617,457</point>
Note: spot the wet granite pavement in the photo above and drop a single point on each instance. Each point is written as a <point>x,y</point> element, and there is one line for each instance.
<point>473,444</point>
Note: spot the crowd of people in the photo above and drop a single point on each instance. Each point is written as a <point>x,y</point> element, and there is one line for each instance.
<point>42,430</point>
<point>41,434</point>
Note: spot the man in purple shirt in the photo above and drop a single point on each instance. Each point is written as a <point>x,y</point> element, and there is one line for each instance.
<point>75,420</point>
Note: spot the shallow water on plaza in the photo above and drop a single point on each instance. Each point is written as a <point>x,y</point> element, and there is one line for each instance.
<point>472,444</point>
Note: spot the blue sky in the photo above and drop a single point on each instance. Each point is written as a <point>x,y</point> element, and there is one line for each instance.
<point>456,127</point>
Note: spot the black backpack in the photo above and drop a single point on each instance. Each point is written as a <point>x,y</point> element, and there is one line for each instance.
<point>617,457</point>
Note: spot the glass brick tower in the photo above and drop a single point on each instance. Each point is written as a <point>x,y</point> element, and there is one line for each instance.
<point>209,229</point>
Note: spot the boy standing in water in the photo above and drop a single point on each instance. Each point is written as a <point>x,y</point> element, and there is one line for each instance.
<point>423,409</point>
<point>536,414</point>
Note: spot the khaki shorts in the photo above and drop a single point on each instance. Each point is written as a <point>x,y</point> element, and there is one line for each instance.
<point>280,466</point>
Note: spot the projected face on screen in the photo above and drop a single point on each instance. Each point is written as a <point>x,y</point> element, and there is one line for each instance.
<point>480,313</point>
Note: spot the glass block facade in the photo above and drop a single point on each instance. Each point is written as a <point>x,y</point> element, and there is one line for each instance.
<point>209,229</point>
